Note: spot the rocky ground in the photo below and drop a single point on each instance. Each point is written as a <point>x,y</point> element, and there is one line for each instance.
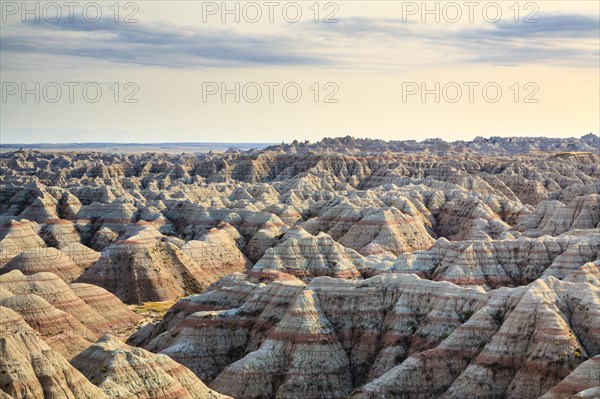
<point>345,268</point>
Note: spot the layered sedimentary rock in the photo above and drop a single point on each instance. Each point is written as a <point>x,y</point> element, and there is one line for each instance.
<point>345,268</point>
<point>63,235</point>
<point>554,218</point>
<point>489,357</point>
<point>105,303</point>
<point>16,237</point>
<point>469,218</point>
<point>372,231</point>
<point>588,273</point>
<point>300,357</point>
<point>68,322</point>
<point>306,256</point>
<point>363,318</point>
<point>492,145</point>
<point>217,252</point>
<point>59,329</point>
<point>44,260</point>
<point>146,266</point>
<point>583,382</point>
<point>387,231</point>
<point>500,263</point>
<point>259,230</point>
<point>30,369</point>
<point>122,371</point>
<point>420,339</point>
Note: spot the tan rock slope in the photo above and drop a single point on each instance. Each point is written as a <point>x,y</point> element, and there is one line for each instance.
<point>554,218</point>
<point>144,265</point>
<point>347,268</point>
<point>122,371</point>
<point>68,322</point>
<point>583,382</point>
<point>520,345</point>
<point>421,339</point>
<point>300,357</point>
<point>44,260</point>
<point>306,256</point>
<point>30,369</point>
<point>18,236</point>
<point>498,263</point>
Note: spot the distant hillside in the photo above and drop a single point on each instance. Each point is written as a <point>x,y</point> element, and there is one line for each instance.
<point>589,143</point>
<point>480,145</point>
<point>129,148</point>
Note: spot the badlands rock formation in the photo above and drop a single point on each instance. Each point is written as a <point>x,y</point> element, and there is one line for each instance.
<point>50,260</point>
<point>306,256</point>
<point>127,372</point>
<point>480,145</point>
<point>507,262</point>
<point>143,265</point>
<point>347,268</point>
<point>581,383</point>
<point>30,369</point>
<point>68,317</point>
<point>401,336</point>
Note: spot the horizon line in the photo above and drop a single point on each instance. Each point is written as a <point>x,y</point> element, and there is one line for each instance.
<point>283,141</point>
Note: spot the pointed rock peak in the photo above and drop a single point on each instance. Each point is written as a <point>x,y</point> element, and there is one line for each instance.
<point>216,236</point>
<point>588,273</point>
<point>12,322</point>
<point>109,342</point>
<point>324,236</point>
<point>141,231</point>
<point>305,317</point>
<point>297,233</point>
<point>14,226</point>
<point>125,371</point>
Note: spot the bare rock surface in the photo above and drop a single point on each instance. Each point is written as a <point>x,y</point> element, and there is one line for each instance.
<point>17,236</point>
<point>122,371</point>
<point>68,322</point>
<point>306,256</point>
<point>517,342</point>
<point>146,266</point>
<point>45,260</point>
<point>583,382</point>
<point>30,369</point>
<point>346,268</point>
<point>492,145</point>
<point>300,357</point>
<point>508,262</point>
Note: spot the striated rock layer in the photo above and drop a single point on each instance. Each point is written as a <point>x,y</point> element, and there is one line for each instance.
<point>347,268</point>
<point>390,335</point>
<point>146,266</point>
<point>44,260</point>
<point>67,318</point>
<point>30,369</point>
<point>126,372</point>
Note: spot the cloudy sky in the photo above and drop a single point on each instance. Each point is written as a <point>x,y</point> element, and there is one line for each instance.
<point>160,71</point>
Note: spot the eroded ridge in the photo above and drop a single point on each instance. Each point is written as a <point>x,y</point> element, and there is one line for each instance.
<point>347,268</point>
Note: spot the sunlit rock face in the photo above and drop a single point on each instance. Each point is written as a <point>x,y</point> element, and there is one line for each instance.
<point>393,334</point>
<point>68,317</point>
<point>45,260</point>
<point>31,369</point>
<point>17,236</point>
<point>347,268</point>
<point>144,265</point>
<point>506,262</point>
<point>129,372</point>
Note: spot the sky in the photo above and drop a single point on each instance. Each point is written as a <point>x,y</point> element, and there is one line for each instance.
<point>202,71</point>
